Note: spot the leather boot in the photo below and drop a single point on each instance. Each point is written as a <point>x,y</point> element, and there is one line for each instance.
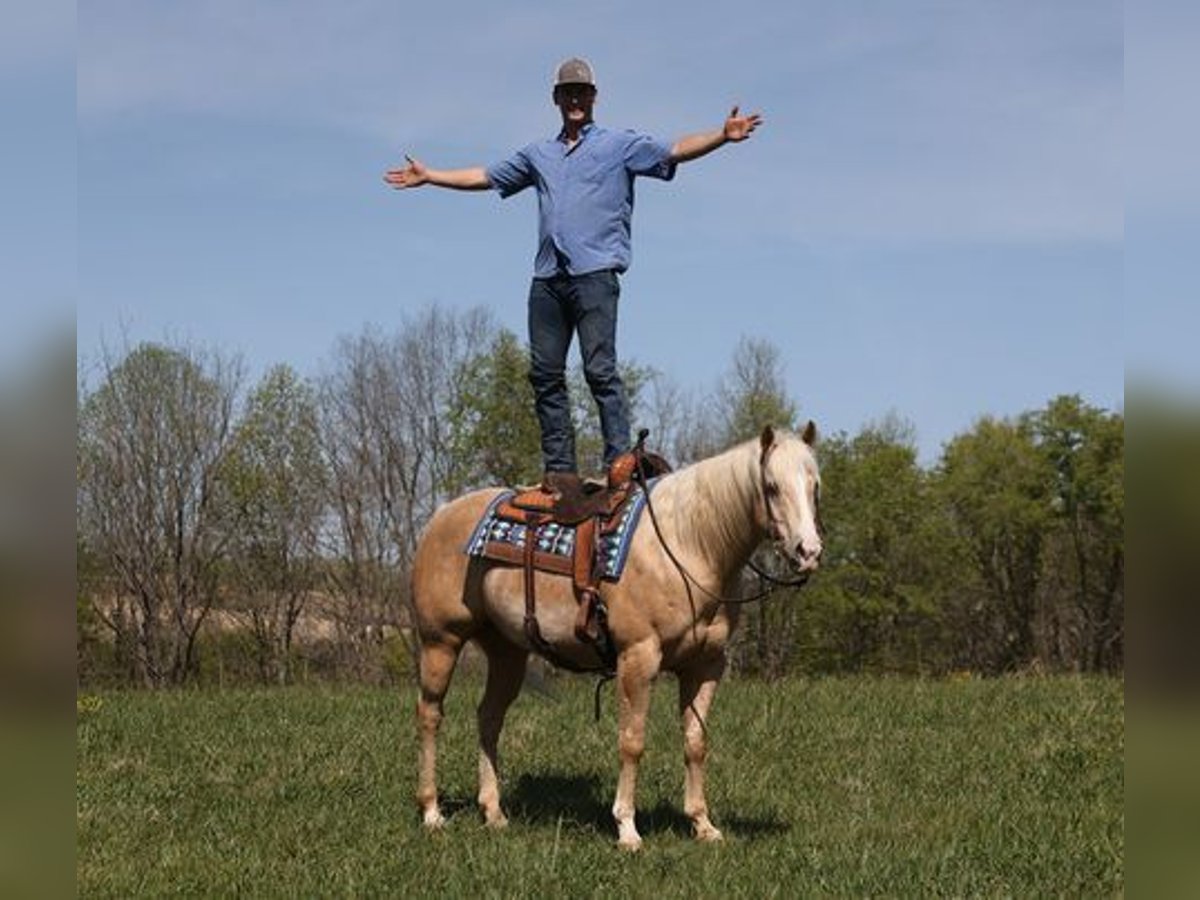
<point>562,484</point>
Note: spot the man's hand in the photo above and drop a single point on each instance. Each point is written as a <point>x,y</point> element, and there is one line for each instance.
<point>412,175</point>
<point>738,128</point>
<point>416,174</point>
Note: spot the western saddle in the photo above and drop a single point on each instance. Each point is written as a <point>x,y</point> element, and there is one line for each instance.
<point>593,509</point>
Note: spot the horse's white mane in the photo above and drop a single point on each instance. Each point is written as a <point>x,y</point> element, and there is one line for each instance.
<point>711,502</point>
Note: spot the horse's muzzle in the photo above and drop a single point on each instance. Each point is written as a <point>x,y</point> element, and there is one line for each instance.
<point>808,556</point>
<point>803,557</point>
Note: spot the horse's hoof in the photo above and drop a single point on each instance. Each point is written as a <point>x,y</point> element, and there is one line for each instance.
<point>630,845</point>
<point>709,835</point>
<point>434,820</point>
<point>496,822</point>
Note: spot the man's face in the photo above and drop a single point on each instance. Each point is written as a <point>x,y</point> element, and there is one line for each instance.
<point>575,102</point>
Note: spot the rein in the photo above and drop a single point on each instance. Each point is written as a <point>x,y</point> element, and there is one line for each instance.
<point>772,582</point>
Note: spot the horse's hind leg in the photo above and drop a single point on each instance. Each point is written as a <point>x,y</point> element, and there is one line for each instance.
<point>437,665</point>
<point>505,674</point>
<point>697,686</point>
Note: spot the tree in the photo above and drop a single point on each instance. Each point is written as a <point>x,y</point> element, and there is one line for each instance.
<point>875,604</point>
<point>387,442</point>
<point>996,485</point>
<point>152,440</point>
<point>373,469</point>
<point>753,392</point>
<point>273,507</point>
<point>750,396</point>
<point>495,435</point>
<point>1084,448</point>
<point>428,355</point>
<point>675,420</point>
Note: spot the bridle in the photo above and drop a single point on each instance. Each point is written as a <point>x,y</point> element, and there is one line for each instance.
<point>773,523</point>
<point>775,529</point>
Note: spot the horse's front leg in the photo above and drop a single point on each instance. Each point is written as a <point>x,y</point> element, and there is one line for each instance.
<point>636,667</point>
<point>505,673</point>
<point>697,685</point>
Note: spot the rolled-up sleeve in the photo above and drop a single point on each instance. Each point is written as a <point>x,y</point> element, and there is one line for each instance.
<point>512,175</point>
<point>645,155</point>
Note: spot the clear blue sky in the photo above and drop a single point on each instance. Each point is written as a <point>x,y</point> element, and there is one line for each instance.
<point>931,221</point>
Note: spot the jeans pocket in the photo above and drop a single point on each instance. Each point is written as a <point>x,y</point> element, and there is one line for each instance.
<point>600,290</point>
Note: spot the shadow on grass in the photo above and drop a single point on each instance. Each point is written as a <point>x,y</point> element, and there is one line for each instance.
<point>545,799</point>
<point>453,806</point>
<point>753,828</point>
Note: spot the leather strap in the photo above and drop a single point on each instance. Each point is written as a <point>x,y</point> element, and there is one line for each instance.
<point>772,523</point>
<point>534,634</point>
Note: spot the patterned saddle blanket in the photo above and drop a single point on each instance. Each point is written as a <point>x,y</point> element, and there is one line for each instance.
<point>503,539</point>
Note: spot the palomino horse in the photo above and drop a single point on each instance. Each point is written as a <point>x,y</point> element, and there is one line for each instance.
<point>711,515</point>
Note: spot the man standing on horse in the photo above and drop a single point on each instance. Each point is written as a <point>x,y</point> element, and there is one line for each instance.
<point>584,180</point>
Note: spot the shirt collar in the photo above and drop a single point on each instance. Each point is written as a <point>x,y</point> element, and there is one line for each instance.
<point>583,132</point>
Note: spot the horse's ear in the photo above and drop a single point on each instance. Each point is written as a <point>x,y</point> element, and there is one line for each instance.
<point>767,438</point>
<point>809,435</point>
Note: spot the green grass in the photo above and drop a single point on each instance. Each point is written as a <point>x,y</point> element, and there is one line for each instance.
<point>847,787</point>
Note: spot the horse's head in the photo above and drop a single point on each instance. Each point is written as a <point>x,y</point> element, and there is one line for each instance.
<point>791,490</point>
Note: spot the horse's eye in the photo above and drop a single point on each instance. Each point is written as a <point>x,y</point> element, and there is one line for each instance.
<point>771,489</point>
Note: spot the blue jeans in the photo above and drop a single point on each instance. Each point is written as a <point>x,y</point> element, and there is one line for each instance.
<point>559,307</point>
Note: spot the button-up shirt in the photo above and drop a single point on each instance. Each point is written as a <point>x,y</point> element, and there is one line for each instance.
<point>585,195</point>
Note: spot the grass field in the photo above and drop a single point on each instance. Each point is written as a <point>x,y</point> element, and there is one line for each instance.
<point>846,787</point>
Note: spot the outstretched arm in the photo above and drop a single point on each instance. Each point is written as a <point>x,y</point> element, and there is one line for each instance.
<point>416,174</point>
<point>736,128</point>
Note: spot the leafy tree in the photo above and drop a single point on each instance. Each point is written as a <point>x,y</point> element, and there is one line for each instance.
<point>494,430</point>
<point>1084,448</point>
<point>997,487</point>
<point>274,502</point>
<point>875,604</point>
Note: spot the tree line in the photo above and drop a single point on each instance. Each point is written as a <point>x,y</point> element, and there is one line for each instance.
<point>265,531</point>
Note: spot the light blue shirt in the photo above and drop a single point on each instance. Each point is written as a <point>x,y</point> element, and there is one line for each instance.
<point>585,195</point>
